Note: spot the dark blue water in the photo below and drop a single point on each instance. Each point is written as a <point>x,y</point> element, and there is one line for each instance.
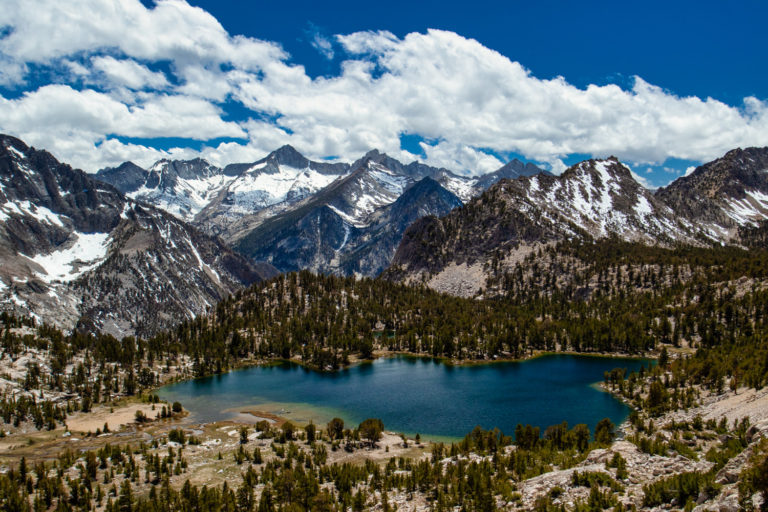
<point>414,395</point>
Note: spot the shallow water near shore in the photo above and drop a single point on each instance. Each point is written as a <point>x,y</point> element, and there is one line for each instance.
<point>414,395</point>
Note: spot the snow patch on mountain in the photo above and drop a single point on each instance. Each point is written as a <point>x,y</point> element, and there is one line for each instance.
<point>605,202</point>
<point>25,208</point>
<point>308,182</point>
<point>375,187</point>
<point>750,209</point>
<point>85,253</point>
<point>643,207</point>
<point>346,237</point>
<point>202,265</point>
<point>534,186</point>
<point>253,191</point>
<point>348,219</point>
<point>187,198</point>
<point>390,181</point>
<point>16,152</point>
<point>463,188</point>
<point>590,194</point>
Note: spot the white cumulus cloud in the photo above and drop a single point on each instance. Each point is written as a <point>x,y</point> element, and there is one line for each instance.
<point>470,101</point>
<point>129,73</point>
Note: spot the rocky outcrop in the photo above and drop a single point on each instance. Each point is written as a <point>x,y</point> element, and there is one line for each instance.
<point>724,194</point>
<point>642,469</point>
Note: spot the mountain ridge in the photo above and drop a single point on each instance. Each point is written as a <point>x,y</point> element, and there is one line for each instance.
<point>326,230</point>
<point>726,193</point>
<point>258,207</point>
<point>288,156</point>
<point>75,250</point>
<point>593,199</point>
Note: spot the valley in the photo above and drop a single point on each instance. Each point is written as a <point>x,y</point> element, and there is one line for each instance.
<point>383,257</point>
<point>705,430</point>
<point>376,335</point>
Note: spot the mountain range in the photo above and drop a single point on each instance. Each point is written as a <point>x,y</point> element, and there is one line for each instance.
<point>132,251</point>
<point>300,214</point>
<point>76,252</point>
<point>592,200</point>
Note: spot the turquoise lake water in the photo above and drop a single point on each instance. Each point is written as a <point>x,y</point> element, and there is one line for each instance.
<point>415,395</point>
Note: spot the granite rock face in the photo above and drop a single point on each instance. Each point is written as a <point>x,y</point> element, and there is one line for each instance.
<point>724,194</point>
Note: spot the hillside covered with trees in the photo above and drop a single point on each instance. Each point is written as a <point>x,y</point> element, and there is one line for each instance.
<point>606,297</point>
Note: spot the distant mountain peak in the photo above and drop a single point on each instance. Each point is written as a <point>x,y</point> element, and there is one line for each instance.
<point>379,158</point>
<point>127,165</point>
<point>516,167</point>
<point>511,170</point>
<point>611,168</point>
<point>166,162</point>
<point>126,177</point>
<point>286,149</point>
<point>724,193</point>
<point>288,155</point>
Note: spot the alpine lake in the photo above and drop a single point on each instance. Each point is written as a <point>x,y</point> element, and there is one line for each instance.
<point>414,395</point>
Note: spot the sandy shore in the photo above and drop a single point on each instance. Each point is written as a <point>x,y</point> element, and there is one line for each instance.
<point>252,415</point>
<point>116,419</point>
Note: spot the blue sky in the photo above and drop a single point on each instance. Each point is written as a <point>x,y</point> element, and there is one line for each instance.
<point>706,48</point>
<point>663,86</point>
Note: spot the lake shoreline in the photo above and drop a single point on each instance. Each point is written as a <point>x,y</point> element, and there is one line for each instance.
<point>385,354</point>
<point>407,417</point>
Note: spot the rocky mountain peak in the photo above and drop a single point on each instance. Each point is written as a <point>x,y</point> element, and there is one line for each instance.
<point>748,167</point>
<point>746,156</point>
<point>12,144</point>
<point>169,170</point>
<point>126,177</point>
<point>19,151</point>
<point>608,169</point>
<point>511,170</point>
<point>375,156</point>
<point>515,168</point>
<point>126,166</point>
<point>181,187</point>
<point>288,155</point>
<point>725,193</point>
<point>414,170</point>
<point>593,199</point>
<point>421,193</point>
